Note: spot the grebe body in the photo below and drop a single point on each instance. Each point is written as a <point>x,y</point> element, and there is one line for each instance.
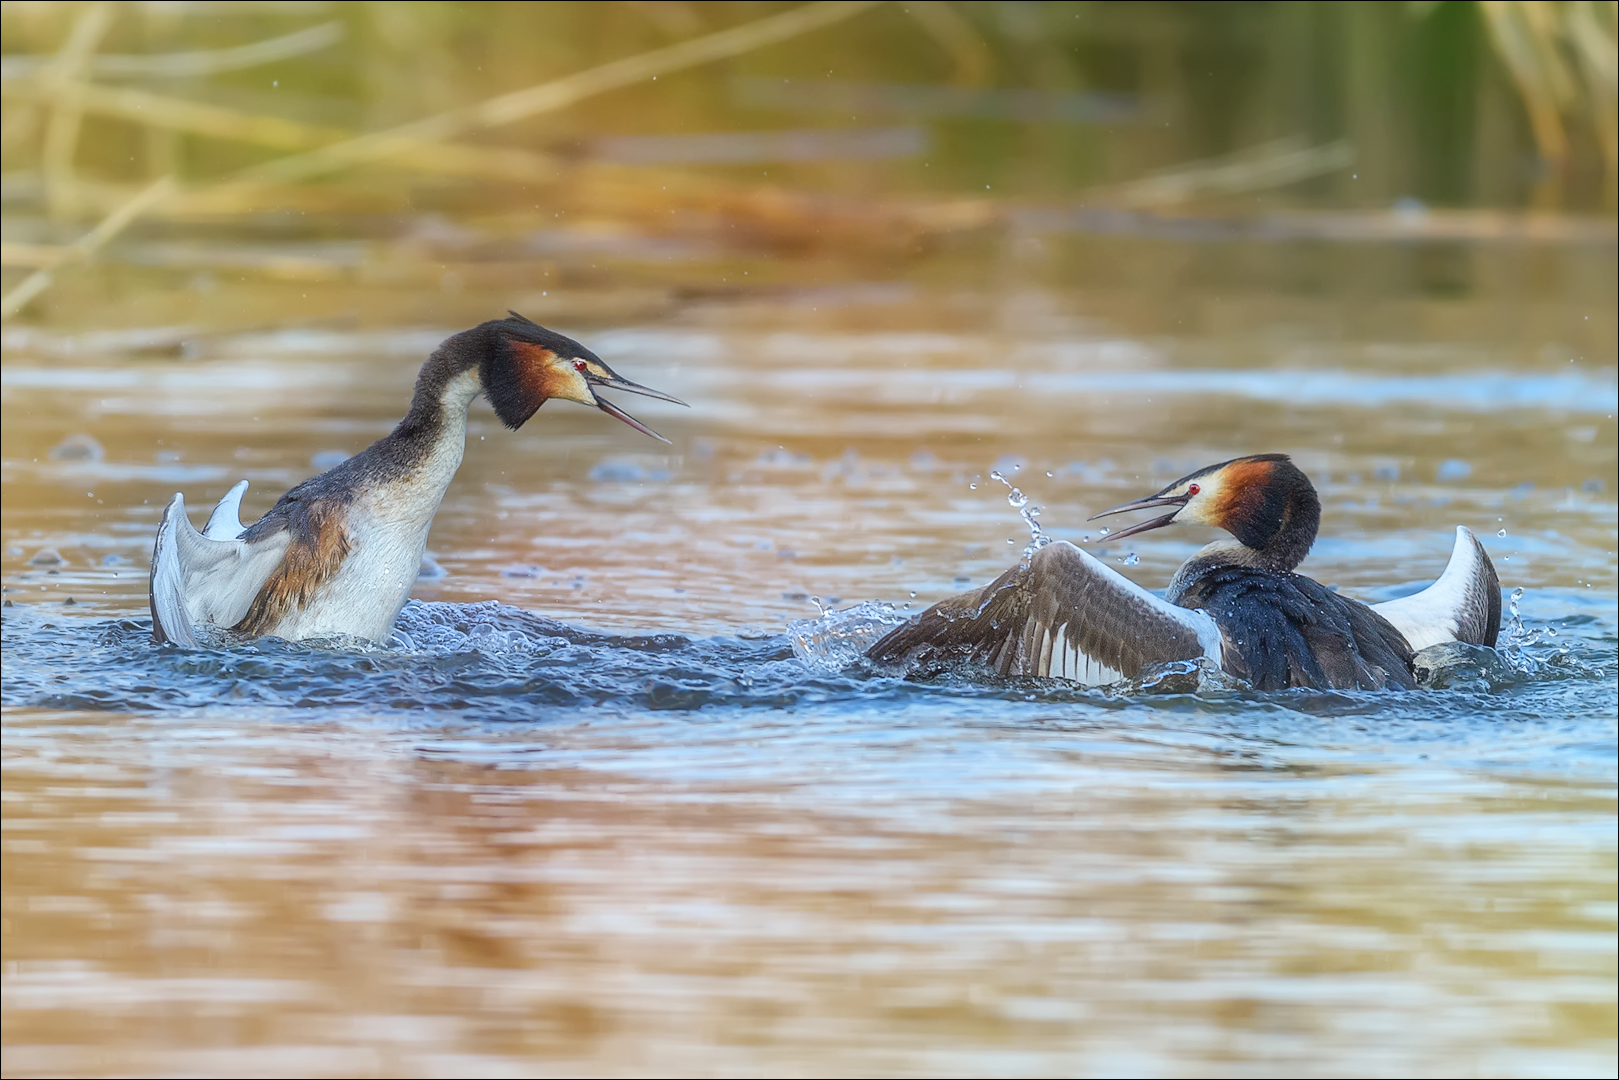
<point>1238,603</point>
<point>339,553</point>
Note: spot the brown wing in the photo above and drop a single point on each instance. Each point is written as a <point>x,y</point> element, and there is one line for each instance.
<point>1060,613</point>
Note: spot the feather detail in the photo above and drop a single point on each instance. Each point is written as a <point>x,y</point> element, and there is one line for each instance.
<point>1060,614</point>
<point>317,545</point>
<point>1463,605</point>
<point>198,582</point>
<point>225,523</point>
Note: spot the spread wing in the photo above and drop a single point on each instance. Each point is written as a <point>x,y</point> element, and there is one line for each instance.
<point>199,579</point>
<point>1463,605</point>
<point>1060,614</point>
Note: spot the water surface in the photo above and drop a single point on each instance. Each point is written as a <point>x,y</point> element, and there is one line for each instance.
<point>590,811</point>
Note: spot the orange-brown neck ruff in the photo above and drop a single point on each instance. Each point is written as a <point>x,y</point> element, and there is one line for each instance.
<point>521,385</point>
<point>1271,507</point>
<point>1243,488</point>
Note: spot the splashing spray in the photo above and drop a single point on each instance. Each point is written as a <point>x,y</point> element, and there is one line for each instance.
<point>1520,639</point>
<point>1029,513</point>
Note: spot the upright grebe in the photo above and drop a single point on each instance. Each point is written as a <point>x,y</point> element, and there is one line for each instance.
<point>1062,613</point>
<point>338,554</point>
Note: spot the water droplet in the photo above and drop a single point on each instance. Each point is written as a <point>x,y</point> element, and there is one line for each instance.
<point>973,486</point>
<point>1009,540</point>
<point>913,594</point>
<point>1131,559</point>
<point>1106,530</point>
<point>1500,532</point>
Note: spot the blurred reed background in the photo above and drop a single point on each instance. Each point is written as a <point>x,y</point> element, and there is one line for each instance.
<point>544,152</point>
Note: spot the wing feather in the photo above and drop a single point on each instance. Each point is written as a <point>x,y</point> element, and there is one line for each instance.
<point>1463,605</point>
<point>225,523</point>
<point>1061,613</point>
<point>197,581</point>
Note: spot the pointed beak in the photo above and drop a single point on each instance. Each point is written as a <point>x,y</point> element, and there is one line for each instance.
<point>617,382</point>
<point>1177,502</point>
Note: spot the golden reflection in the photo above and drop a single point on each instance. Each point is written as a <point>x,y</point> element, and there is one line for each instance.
<point>323,890</point>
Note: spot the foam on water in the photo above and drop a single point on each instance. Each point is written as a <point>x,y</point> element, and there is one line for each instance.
<point>490,662</point>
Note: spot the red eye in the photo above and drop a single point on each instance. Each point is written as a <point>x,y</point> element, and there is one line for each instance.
<point>580,365</point>
<point>1193,489</point>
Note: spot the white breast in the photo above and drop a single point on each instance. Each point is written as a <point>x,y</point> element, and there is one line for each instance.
<point>365,595</point>
<point>387,530</point>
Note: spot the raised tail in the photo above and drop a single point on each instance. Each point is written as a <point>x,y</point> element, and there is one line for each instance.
<point>225,522</point>
<point>202,579</point>
<point>165,591</point>
<point>1463,605</point>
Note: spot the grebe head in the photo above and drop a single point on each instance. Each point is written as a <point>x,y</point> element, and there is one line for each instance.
<point>1263,500</point>
<point>522,365</point>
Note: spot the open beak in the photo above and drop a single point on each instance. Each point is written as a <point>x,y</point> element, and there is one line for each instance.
<point>617,382</point>
<point>1177,502</point>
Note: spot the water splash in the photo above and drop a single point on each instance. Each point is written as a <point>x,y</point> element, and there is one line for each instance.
<point>1196,676</point>
<point>1456,665</point>
<point>835,639</point>
<point>1526,654</point>
<point>1520,640</point>
<point>1029,513</point>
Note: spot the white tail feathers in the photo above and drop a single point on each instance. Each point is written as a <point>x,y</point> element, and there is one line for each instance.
<point>206,579</point>
<point>1463,605</point>
<point>225,523</point>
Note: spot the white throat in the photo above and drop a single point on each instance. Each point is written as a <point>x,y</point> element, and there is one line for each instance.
<point>445,456</point>
<point>412,501</point>
<point>387,526</point>
<point>1230,552</point>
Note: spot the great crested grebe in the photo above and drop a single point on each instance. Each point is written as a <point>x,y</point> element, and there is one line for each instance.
<point>1062,613</point>
<point>338,554</point>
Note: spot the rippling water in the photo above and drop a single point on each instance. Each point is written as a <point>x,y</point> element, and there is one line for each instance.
<point>591,809</point>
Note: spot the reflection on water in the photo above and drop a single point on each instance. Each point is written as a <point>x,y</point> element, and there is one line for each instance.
<point>669,832</point>
<point>941,887</point>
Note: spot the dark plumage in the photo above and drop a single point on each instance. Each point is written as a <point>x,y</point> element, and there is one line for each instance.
<point>1282,629</point>
<point>1063,613</point>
